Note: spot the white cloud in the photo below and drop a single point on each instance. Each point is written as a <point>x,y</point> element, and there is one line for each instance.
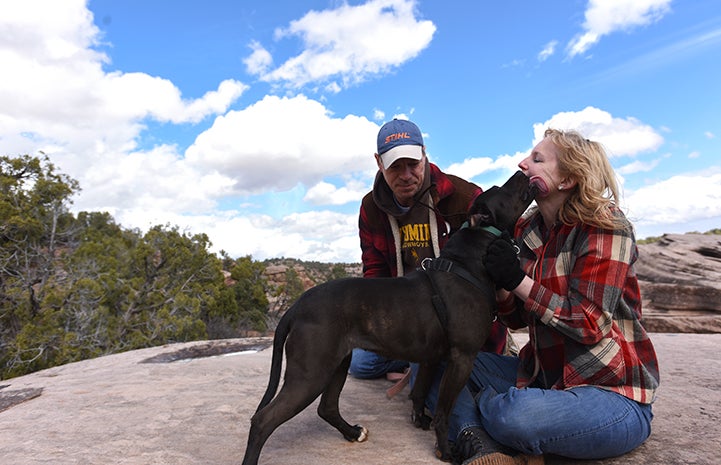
<point>676,203</point>
<point>259,61</point>
<point>149,181</point>
<point>620,136</point>
<point>516,63</point>
<point>319,235</point>
<point>49,31</point>
<point>473,167</point>
<point>135,96</point>
<point>637,166</point>
<point>277,143</point>
<point>548,50</point>
<point>351,43</point>
<point>605,17</point>
<point>332,88</point>
<point>325,193</point>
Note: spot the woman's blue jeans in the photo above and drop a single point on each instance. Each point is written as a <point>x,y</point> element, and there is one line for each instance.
<point>584,422</point>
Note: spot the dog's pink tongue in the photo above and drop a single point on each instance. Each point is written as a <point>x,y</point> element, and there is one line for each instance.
<point>540,185</point>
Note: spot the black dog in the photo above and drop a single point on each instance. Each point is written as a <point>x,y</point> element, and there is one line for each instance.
<point>443,312</point>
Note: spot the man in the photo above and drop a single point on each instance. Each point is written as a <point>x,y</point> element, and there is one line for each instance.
<point>407,217</point>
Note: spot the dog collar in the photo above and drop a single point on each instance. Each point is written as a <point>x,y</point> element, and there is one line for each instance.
<point>491,229</point>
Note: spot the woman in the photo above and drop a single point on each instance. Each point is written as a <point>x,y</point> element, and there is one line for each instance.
<point>583,385</point>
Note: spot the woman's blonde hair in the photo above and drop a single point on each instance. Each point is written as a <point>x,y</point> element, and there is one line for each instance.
<point>596,191</point>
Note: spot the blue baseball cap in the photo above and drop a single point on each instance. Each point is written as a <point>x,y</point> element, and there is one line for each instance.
<point>399,138</point>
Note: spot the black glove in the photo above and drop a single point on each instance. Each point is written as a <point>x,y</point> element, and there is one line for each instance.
<point>501,262</point>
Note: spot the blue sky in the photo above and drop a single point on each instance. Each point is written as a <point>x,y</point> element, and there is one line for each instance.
<point>255,121</point>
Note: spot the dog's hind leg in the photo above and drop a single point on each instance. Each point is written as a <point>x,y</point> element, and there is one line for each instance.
<point>293,397</point>
<point>328,407</point>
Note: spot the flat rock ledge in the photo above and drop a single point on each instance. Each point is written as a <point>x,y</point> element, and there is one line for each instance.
<point>680,279</point>
<point>191,404</point>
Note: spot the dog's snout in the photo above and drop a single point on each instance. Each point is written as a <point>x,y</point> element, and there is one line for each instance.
<point>530,193</point>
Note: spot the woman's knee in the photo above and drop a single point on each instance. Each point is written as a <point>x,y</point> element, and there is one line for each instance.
<point>516,418</point>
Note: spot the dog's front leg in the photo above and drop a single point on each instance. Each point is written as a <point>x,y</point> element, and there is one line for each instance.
<point>454,379</point>
<point>421,387</point>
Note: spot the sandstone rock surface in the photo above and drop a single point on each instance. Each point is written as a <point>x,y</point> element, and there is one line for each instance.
<point>680,280</point>
<point>174,405</point>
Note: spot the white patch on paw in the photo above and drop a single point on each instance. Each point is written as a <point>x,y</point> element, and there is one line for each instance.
<point>363,435</point>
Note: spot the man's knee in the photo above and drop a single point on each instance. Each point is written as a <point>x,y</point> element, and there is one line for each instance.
<point>369,365</point>
<point>364,365</point>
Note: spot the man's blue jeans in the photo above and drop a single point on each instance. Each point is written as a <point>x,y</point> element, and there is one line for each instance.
<point>585,422</point>
<point>369,365</point>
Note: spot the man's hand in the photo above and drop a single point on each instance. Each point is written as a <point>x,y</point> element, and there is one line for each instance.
<point>501,262</point>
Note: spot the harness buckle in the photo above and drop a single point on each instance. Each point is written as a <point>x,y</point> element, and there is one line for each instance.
<point>438,264</point>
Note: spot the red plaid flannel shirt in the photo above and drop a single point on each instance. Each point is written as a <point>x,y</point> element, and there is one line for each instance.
<point>583,312</point>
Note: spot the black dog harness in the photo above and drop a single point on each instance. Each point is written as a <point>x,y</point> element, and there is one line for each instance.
<point>449,266</point>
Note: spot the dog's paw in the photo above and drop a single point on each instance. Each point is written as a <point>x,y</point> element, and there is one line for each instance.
<point>362,434</point>
<point>440,456</point>
<point>422,420</point>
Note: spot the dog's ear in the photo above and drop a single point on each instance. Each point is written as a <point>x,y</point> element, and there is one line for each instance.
<point>481,199</point>
<point>480,214</point>
<point>483,216</point>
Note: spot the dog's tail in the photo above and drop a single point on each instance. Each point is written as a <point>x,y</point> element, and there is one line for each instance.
<point>281,334</point>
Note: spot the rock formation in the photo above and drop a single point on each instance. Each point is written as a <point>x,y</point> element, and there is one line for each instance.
<point>680,279</point>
